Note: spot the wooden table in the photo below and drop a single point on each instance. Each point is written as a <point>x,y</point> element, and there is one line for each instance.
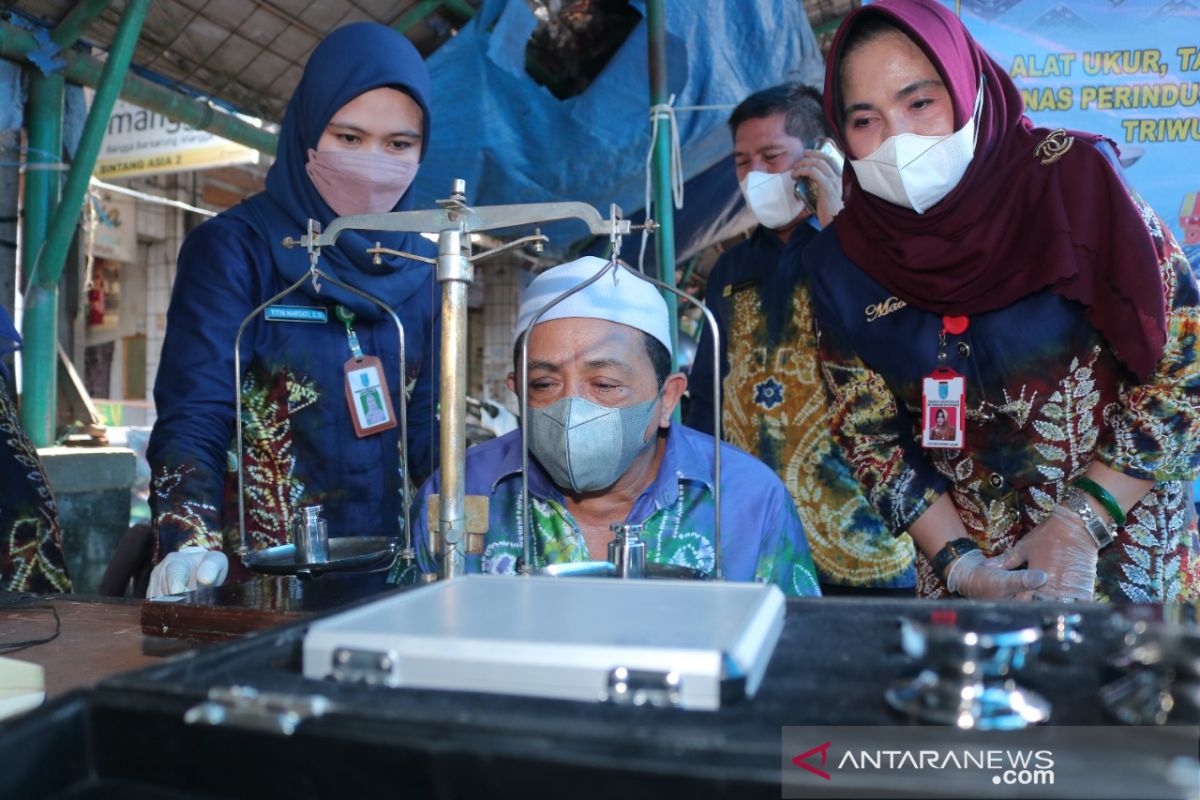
<point>101,636</point>
<point>263,601</point>
<point>98,637</point>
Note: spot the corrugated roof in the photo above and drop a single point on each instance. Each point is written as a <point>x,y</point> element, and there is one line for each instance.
<point>250,53</point>
<point>247,53</point>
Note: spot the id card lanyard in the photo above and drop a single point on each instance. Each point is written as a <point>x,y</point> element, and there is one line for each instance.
<point>367,395</point>
<point>944,396</point>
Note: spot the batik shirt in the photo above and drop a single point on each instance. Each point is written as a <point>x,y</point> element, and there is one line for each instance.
<point>761,536</point>
<point>31,555</point>
<point>1045,396</point>
<point>300,446</point>
<point>776,407</point>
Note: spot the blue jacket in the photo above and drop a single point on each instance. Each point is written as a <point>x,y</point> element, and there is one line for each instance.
<point>775,406</point>
<point>765,265</point>
<point>300,444</point>
<point>301,448</point>
<point>1045,396</point>
<point>31,557</point>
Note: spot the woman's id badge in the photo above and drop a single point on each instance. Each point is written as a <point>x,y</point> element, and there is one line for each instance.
<point>943,403</point>
<point>368,397</point>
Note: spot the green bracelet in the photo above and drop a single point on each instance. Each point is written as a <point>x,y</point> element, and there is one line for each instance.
<point>1103,497</point>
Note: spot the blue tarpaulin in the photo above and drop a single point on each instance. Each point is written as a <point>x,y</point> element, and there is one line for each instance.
<point>515,142</point>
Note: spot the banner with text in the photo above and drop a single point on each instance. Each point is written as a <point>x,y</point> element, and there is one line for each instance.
<point>1127,69</point>
<point>141,142</point>
<point>1057,762</point>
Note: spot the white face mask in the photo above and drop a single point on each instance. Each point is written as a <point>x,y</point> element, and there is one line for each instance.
<point>917,171</point>
<point>772,198</point>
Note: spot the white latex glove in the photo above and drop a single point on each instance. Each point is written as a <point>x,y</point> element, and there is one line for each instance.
<point>187,569</point>
<point>1062,548</point>
<point>977,576</point>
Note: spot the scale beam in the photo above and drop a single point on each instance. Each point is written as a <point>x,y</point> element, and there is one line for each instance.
<point>466,220</point>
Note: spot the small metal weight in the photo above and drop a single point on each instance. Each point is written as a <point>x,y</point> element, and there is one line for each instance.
<point>1158,667</point>
<point>627,551</point>
<point>310,535</point>
<point>968,677</point>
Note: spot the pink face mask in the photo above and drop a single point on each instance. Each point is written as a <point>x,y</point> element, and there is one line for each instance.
<point>359,183</point>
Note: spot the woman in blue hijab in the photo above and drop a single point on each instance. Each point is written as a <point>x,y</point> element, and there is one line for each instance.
<point>31,556</point>
<point>351,140</point>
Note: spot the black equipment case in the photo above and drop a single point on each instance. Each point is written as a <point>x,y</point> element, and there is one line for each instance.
<point>128,737</point>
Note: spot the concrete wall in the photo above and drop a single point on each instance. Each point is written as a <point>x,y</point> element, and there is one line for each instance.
<point>160,275</point>
<point>504,279</point>
<point>145,295</point>
<point>92,489</point>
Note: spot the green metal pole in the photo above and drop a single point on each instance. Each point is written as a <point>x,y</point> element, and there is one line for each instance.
<point>460,7</point>
<point>40,319</point>
<point>828,27</point>
<point>40,367</point>
<point>16,44</point>
<point>664,209</point>
<point>416,14</point>
<point>71,29</point>
<point>50,264</point>
<point>421,10</point>
<point>688,269</point>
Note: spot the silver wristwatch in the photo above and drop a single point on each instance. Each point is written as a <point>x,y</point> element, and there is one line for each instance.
<point>1075,500</point>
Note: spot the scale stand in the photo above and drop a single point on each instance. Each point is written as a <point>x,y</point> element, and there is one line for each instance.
<point>344,552</point>
<point>455,271</point>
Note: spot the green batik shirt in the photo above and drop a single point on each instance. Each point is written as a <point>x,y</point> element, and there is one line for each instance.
<point>762,538</point>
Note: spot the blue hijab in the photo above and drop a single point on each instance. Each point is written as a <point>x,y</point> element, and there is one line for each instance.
<point>10,340</point>
<point>354,59</point>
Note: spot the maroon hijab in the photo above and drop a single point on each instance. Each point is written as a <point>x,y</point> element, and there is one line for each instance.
<point>1013,226</point>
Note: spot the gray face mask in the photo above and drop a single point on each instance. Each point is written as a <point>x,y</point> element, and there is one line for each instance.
<point>584,446</point>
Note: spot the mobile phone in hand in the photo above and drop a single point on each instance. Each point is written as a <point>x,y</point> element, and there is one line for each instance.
<point>806,189</point>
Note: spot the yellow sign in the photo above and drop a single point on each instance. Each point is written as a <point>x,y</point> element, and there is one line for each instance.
<point>141,142</point>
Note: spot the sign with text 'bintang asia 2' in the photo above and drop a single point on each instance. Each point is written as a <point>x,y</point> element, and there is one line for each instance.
<point>1126,69</point>
<point>141,142</point>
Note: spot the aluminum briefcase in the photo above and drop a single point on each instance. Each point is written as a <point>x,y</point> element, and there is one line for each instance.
<point>688,644</point>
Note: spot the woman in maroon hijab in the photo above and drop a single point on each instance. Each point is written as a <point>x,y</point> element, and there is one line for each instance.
<point>1005,271</point>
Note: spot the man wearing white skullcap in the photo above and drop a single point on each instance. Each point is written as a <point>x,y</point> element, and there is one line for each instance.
<point>603,449</point>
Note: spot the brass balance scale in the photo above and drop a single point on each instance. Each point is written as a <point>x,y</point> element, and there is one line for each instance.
<point>311,550</point>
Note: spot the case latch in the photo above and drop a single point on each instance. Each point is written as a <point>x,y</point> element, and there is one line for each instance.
<point>246,707</point>
<point>362,666</point>
<point>643,687</point>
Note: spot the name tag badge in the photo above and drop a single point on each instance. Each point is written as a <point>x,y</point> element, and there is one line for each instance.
<point>943,403</point>
<point>368,397</point>
<point>734,288</point>
<point>296,314</point>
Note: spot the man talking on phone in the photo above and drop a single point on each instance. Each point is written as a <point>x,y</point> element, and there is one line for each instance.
<point>773,402</point>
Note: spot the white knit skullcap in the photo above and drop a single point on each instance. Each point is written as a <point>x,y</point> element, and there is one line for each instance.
<point>617,297</point>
